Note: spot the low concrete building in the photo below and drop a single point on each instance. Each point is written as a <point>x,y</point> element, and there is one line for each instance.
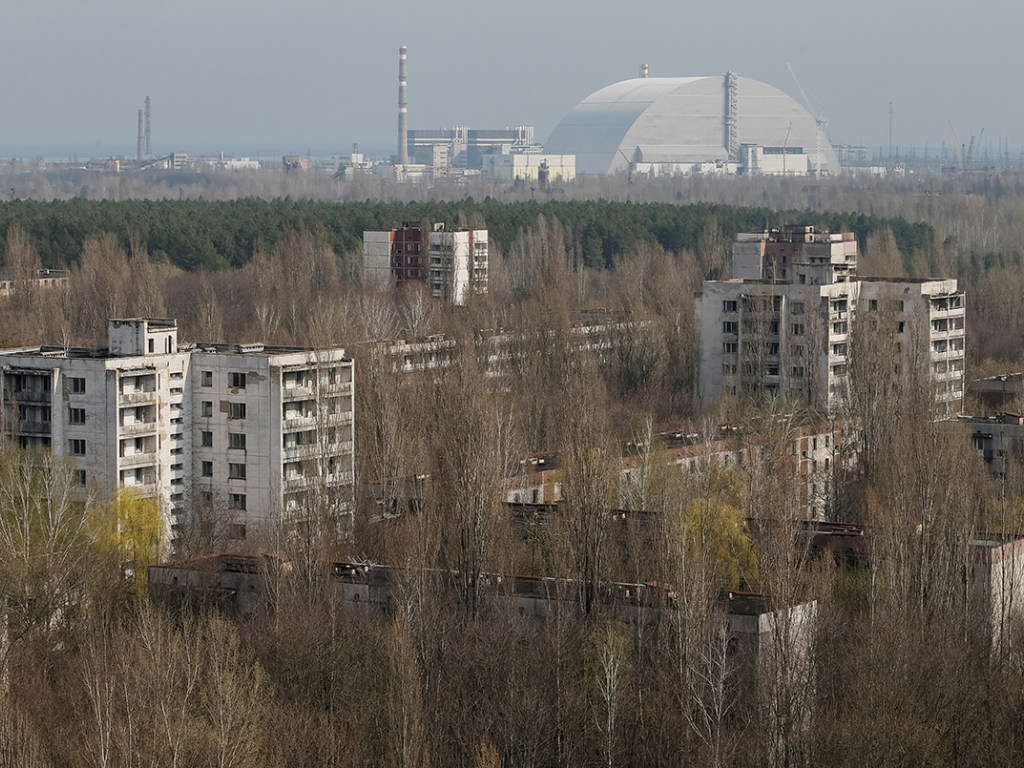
<point>755,624</point>
<point>997,585</point>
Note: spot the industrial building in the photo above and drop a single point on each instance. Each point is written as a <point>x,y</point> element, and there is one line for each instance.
<point>465,147</point>
<point>251,431</point>
<point>452,262</point>
<point>664,125</point>
<point>543,168</point>
<point>783,325</point>
<point>459,147</point>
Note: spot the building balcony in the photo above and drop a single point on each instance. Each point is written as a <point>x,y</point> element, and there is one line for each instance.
<point>144,490</point>
<point>34,427</point>
<point>137,428</point>
<point>33,396</point>
<point>300,452</point>
<point>132,460</point>
<point>136,398</point>
<point>305,482</point>
<point>297,393</point>
<point>295,423</point>
<point>298,483</point>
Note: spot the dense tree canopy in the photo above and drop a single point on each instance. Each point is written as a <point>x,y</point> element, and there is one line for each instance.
<point>194,234</point>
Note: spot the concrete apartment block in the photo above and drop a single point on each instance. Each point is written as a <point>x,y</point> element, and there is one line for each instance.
<point>252,432</point>
<point>783,325</point>
<point>452,263</point>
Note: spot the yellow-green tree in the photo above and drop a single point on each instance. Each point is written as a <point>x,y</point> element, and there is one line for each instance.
<point>715,534</point>
<point>132,531</point>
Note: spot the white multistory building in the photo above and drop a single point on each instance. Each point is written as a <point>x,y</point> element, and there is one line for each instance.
<point>451,262</point>
<point>254,433</point>
<point>784,324</point>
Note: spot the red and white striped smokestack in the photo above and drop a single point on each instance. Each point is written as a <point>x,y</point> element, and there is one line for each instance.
<point>403,124</point>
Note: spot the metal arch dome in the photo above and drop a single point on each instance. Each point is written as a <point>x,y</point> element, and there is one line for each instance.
<point>681,120</point>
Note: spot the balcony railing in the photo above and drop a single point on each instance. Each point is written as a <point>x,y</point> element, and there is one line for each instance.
<point>293,423</point>
<point>33,396</point>
<point>144,490</point>
<point>137,460</point>
<point>138,428</point>
<point>34,427</point>
<point>136,398</point>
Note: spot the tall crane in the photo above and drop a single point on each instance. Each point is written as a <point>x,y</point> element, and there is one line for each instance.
<point>819,118</point>
<point>785,148</point>
<point>958,148</point>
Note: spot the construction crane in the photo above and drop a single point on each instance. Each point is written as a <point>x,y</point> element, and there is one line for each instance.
<point>819,118</point>
<point>785,148</point>
<point>958,148</point>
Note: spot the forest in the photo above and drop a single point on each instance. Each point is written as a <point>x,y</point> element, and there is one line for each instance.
<point>907,661</point>
<point>194,235</point>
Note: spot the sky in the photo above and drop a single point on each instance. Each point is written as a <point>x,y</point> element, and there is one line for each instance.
<point>234,75</point>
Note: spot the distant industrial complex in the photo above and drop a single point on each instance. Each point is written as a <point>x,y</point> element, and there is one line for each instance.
<point>642,126</point>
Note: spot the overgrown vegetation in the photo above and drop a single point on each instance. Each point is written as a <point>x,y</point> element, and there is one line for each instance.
<point>905,662</point>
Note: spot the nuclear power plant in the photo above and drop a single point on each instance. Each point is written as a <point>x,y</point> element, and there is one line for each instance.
<point>651,126</point>
<point>723,124</point>
<point>509,154</point>
<point>665,125</point>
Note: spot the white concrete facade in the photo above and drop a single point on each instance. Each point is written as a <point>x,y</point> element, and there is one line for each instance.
<point>254,430</point>
<point>510,167</point>
<point>377,257</point>
<point>454,263</point>
<point>784,326</point>
<point>458,263</point>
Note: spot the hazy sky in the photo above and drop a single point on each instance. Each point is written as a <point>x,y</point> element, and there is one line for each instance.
<point>238,73</point>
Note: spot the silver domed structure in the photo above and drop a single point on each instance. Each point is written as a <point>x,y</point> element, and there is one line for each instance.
<point>680,124</point>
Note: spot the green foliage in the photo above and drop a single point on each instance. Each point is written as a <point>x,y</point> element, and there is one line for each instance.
<point>716,533</point>
<point>1004,515</point>
<point>133,531</point>
<point>196,234</point>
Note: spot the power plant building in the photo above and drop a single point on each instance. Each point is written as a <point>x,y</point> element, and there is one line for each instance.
<point>542,168</point>
<point>465,147</point>
<point>664,125</point>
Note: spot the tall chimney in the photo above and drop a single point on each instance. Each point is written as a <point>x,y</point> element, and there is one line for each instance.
<point>139,146</point>
<point>403,120</point>
<point>149,146</point>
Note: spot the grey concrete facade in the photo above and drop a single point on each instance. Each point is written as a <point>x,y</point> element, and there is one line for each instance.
<point>785,326</point>
<point>249,431</point>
